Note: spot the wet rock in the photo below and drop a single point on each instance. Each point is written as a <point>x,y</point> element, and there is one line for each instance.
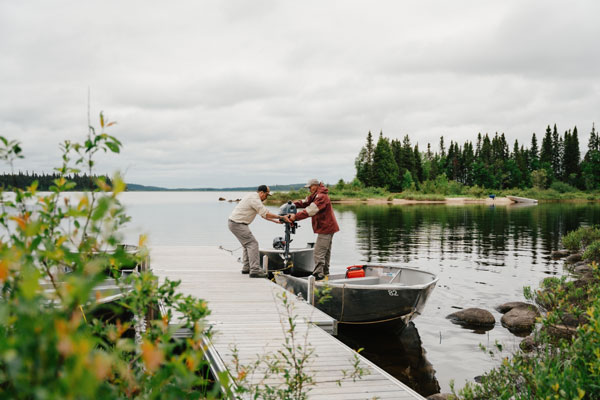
<point>520,319</point>
<point>572,320</point>
<point>582,269</point>
<point>238,200</point>
<point>528,344</point>
<point>506,307</point>
<point>560,253</point>
<point>561,331</point>
<point>473,317</point>
<point>573,258</point>
<point>440,396</point>
<point>221,198</point>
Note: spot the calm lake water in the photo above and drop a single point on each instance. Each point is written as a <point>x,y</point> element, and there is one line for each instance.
<point>483,255</point>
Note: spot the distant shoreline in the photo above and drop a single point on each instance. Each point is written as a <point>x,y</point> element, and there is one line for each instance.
<point>448,200</point>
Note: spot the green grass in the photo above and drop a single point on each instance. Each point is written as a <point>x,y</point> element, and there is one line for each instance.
<point>361,194</point>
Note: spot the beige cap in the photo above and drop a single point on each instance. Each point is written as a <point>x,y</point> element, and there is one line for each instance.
<point>312,182</point>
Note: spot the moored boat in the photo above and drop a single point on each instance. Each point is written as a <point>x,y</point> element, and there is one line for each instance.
<point>518,199</point>
<point>376,293</point>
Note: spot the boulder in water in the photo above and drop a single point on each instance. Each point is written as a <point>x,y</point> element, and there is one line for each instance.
<point>520,319</point>
<point>560,253</point>
<point>573,258</point>
<point>473,318</point>
<point>506,307</point>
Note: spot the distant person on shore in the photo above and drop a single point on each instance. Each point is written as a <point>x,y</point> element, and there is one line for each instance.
<point>242,215</point>
<point>318,206</point>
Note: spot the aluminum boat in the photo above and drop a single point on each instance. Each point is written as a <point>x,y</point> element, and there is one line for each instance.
<point>377,293</point>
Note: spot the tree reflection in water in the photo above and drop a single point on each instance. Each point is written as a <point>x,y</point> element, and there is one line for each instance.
<point>483,256</point>
<point>397,349</point>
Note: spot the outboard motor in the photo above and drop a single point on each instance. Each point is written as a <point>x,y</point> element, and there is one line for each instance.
<point>283,243</point>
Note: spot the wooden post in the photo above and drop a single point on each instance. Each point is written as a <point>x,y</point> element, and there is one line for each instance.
<point>266,263</point>
<point>310,293</point>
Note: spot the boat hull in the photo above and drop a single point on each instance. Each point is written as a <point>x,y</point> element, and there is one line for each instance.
<point>517,199</point>
<point>349,302</point>
<point>302,260</point>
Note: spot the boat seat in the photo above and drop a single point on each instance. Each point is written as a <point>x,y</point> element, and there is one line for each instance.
<point>367,280</point>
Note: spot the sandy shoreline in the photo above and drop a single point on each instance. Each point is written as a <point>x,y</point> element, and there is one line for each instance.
<point>448,200</point>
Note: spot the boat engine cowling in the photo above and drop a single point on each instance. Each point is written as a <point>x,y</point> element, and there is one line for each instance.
<point>287,208</point>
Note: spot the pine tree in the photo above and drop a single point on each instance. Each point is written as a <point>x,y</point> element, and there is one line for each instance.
<point>546,152</point>
<point>468,158</point>
<point>364,162</point>
<point>418,164</point>
<point>534,160</point>
<point>556,151</point>
<point>385,169</point>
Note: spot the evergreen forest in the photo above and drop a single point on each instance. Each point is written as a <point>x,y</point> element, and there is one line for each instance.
<point>488,162</point>
<point>46,181</point>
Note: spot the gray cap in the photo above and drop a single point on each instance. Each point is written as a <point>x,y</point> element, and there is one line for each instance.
<point>312,182</point>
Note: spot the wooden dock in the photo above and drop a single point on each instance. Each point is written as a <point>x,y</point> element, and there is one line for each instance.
<point>247,313</point>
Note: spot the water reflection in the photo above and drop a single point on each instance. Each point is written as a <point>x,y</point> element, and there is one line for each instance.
<point>399,233</point>
<point>397,349</point>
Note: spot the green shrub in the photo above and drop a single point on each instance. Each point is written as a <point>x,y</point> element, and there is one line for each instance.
<point>579,239</point>
<point>428,186</point>
<point>539,179</point>
<point>562,187</point>
<point>592,252</point>
<point>476,191</point>
<point>455,188</point>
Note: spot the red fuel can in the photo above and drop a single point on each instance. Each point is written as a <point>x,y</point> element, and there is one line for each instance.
<point>355,271</point>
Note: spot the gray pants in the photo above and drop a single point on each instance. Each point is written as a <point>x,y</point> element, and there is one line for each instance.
<point>322,253</point>
<point>251,258</point>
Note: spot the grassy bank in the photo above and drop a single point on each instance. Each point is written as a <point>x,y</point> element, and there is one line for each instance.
<point>451,190</point>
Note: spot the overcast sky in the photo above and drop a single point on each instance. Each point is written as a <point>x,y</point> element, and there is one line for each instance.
<point>240,93</point>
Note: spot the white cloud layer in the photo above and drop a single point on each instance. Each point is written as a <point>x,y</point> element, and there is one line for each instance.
<point>234,93</point>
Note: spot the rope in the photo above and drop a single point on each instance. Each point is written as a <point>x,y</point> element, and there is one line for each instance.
<point>230,251</point>
<point>371,322</point>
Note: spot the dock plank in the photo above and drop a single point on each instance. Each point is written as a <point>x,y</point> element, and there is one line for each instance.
<point>248,313</point>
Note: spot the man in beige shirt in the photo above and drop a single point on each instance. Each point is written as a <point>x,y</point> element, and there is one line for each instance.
<point>242,215</point>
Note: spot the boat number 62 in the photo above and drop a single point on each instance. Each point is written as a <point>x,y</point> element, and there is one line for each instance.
<point>392,292</point>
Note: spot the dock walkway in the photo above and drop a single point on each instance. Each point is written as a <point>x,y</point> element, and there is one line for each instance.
<point>246,313</point>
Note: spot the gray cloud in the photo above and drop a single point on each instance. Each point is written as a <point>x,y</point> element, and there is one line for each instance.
<point>240,93</point>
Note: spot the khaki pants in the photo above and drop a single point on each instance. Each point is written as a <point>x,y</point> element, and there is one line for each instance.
<point>251,258</point>
<point>322,253</point>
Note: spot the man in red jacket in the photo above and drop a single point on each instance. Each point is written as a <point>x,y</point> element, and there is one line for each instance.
<point>318,206</point>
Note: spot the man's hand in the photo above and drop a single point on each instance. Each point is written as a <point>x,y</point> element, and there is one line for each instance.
<point>292,217</point>
<point>285,218</point>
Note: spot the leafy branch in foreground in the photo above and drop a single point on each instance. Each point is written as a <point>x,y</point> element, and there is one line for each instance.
<point>60,336</point>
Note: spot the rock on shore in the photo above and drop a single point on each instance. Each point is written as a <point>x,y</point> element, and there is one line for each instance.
<point>519,317</point>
